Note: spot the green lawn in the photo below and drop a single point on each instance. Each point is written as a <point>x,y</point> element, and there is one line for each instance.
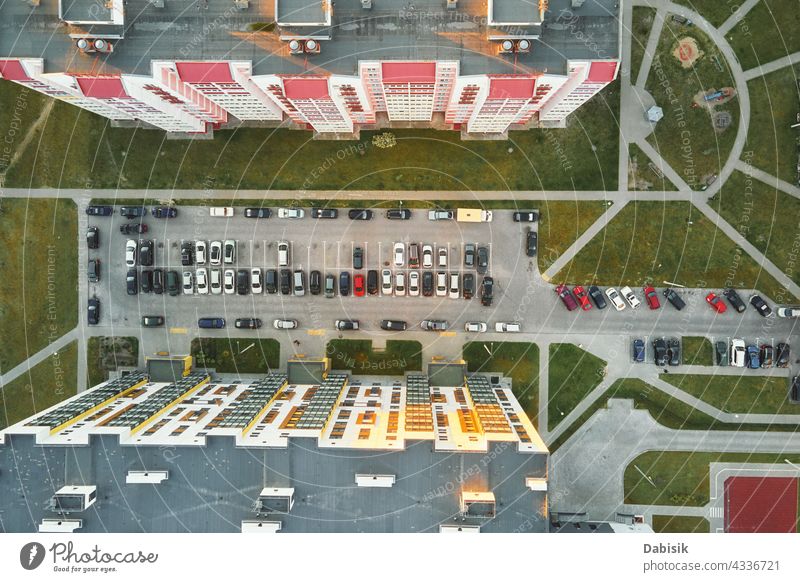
<point>641,175</point>
<point>771,30</point>
<point>235,355</point>
<point>767,217</point>
<point>654,242</point>
<point>680,524</point>
<point>107,353</point>
<point>560,225</point>
<point>772,145</point>
<point>573,374</point>
<point>682,478</point>
<point>642,23</point>
<point>697,351</point>
<point>76,149</point>
<point>360,358</point>
<point>517,360</point>
<point>39,287</point>
<point>715,11</point>
<point>48,383</point>
<point>738,394</point>
<point>685,137</point>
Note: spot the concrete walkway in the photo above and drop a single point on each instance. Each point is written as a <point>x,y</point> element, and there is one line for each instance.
<point>768,179</point>
<point>772,66</point>
<point>39,357</point>
<point>738,14</point>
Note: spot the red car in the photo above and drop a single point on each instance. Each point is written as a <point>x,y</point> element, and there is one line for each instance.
<point>716,302</point>
<point>651,297</point>
<point>582,297</point>
<point>567,297</point>
<point>358,285</point>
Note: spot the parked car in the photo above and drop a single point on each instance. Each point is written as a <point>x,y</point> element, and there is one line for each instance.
<point>211,322</point>
<point>271,281</point>
<point>440,215</point>
<point>567,298</point>
<point>291,213</point>
<point>582,297</point>
<point>721,351</point>
<point>508,327</point>
<point>427,283</point>
<point>483,260</point>
<point>638,350</point>
<point>475,327</point>
<point>242,281</point>
<point>344,283</point>
<point>597,297</point>
<point>99,210</point>
<point>215,253</point>
<point>441,284</point>
<point>660,352</point>
<point>386,282</point>
<point>201,281</point>
<point>766,355</point>
<point>716,303</point>
<point>358,258</point>
<point>132,211</point>
<point>673,297</point>
<point>358,285</point>
<point>256,287</point>
<point>360,214</point>
<point>413,283</point>
<point>468,286</point>
<point>146,281</point>
<point>132,228</point>
<point>132,282</point>
<point>788,311</point>
<point>469,255</point>
<point>299,284</point>
<point>187,254</point>
<point>283,254</point>
<point>629,296</point>
<point>794,390</point>
<point>487,291</point>
<point>733,298</point>
<point>615,298</point>
<point>455,286</point>
<point>315,282</point>
<point>346,324</point>
<point>427,257</point>
<point>674,350</point>
<point>215,281</point>
<point>738,353</point>
<point>442,257</point>
<point>158,281</point>
<point>413,255</point>
<point>434,324</point>
<point>200,252</point>
<point>93,237</point>
<point>248,323</point>
<point>782,355</point>
<point>761,306</point>
<point>285,324</point>
<point>146,252</point>
<point>173,283</point>
<point>531,243</point>
<point>188,283</point>
<point>229,281</point>
<point>324,213</point>
<point>393,325</point>
<point>372,282</point>
<point>753,360</point>
<point>398,214</point>
<point>230,252</point>
<point>330,286</point>
<point>525,216</point>
<point>152,320</point>
<point>399,284</point>
<point>93,272</point>
<point>257,212</point>
<point>131,249</point>
<point>651,297</point>
<point>164,212</point>
<point>399,254</point>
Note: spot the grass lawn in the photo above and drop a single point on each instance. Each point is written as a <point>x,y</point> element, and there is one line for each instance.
<point>680,524</point>
<point>772,143</point>
<point>697,351</point>
<point>738,394</point>
<point>767,217</point>
<point>682,478</point>
<point>39,287</point>
<point>360,358</point>
<point>642,23</point>
<point>76,149</point>
<point>573,374</point>
<point>654,242</point>
<point>715,11</point>
<point>641,176</point>
<point>685,137</point>
<point>517,360</point>
<point>771,30</point>
<point>48,383</point>
<point>232,355</point>
<point>107,353</point>
<point>560,225</point>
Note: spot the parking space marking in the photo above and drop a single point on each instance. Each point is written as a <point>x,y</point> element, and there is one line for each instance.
<point>447,333</point>
<point>182,330</point>
<point>315,332</point>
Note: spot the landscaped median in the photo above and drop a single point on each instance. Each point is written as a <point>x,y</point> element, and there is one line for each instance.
<point>697,351</point>
<point>573,374</point>
<point>107,353</point>
<point>745,394</point>
<point>237,355</point>
<point>680,524</point>
<point>361,358</point>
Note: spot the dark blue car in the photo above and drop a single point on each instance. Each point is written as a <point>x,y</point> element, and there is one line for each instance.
<point>753,360</point>
<point>638,350</point>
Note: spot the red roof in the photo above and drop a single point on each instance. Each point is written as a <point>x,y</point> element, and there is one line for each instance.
<point>602,72</point>
<point>204,72</point>
<point>306,88</point>
<point>409,72</point>
<point>13,71</point>
<point>102,87</point>
<point>761,504</point>
<point>521,88</point>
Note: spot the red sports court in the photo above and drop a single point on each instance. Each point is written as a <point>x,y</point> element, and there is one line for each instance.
<point>761,505</point>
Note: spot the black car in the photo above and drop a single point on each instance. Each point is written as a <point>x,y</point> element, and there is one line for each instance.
<point>597,297</point>
<point>767,353</point>
<point>286,282</point>
<point>398,214</point>
<point>132,282</point>
<point>483,260</point>
<point>315,282</point>
<point>257,212</point>
<point>469,255</point>
<point>158,281</point>
<point>638,350</point>
<point>532,243</point>
<point>346,324</point>
<point>324,213</point>
<point>99,210</point>
<point>133,228</point>
<point>344,283</point>
<point>794,390</point>
<point>360,214</point>
<point>242,281</point>
<point>271,281</point>
<point>173,283</point>
<point>468,290</point>
<point>133,211</point>
<point>673,297</point>
<point>782,355</point>
<point>211,322</point>
<point>487,291</point>
<point>93,311</point>
<point>358,258</point>
<point>164,212</point>
<point>372,282</point>
<point>674,348</point>
<point>152,320</point>
<point>525,216</point>
<point>761,306</point>
<point>187,253</point>
<point>146,253</point>
<point>393,325</point>
<point>248,323</point>
<point>733,298</point>
<point>93,237</point>
<point>660,352</point>
<point>427,283</point>
<point>146,282</point>
<point>721,351</point>
<point>94,271</point>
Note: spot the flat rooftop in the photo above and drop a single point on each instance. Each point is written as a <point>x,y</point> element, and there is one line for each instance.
<point>391,30</point>
<point>302,12</point>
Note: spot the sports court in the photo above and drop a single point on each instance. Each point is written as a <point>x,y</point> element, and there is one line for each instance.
<point>761,505</point>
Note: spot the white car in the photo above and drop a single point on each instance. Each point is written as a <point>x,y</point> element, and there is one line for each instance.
<point>413,284</point>
<point>443,258</point>
<point>400,284</point>
<point>130,252</point>
<point>386,282</point>
<point>285,324</point>
<point>788,311</point>
<point>216,281</point>
<point>230,252</point>
<point>507,327</point>
<point>200,252</point>
<point>255,281</point>
<point>627,292</point>
<point>427,256</point>
<point>738,353</point>
<point>475,326</point>
<point>441,284</point>
<point>283,254</point>
<point>291,213</point>
<point>616,300</point>
<point>201,279</point>
<point>188,283</point>
<point>230,281</point>
<point>215,253</point>
<point>455,291</point>
<point>399,254</point>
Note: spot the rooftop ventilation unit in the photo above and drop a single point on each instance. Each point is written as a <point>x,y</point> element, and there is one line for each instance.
<point>296,47</point>
<point>275,500</point>
<point>506,47</point>
<point>50,525</point>
<point>260,526</point>
<point>154,477</point>
<point>452,4</point>
<point>523,46</point>
<point>73,499</point>
<point>366,4</point>
<point>312,47</point>
<point>94,45</point>
<point>369,480</point>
